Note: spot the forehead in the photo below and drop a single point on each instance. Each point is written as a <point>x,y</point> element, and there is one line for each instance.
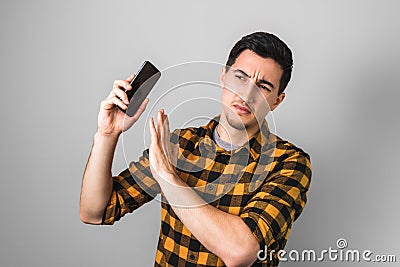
<point>258,67</point>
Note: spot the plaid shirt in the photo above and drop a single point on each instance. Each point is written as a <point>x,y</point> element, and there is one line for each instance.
<point>264,183</point>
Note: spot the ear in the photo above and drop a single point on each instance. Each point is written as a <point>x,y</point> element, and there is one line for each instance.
<point>278,100</point>
<point>222,76</point>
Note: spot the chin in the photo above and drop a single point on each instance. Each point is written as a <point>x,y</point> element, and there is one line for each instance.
<point>239,122</point>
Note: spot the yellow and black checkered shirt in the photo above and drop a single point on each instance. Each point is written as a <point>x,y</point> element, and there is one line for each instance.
<point>265,183</point>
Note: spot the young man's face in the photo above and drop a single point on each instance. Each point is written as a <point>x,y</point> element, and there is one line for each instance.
<point>250,90</point>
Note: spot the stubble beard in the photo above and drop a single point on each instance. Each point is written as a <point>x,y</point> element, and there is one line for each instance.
<point>235,122</point>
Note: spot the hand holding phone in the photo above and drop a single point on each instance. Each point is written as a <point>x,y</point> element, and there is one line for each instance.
<point>142,83</point>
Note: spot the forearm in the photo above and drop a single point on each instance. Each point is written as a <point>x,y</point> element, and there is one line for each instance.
<point>97,179</point>
<point>224,234</point>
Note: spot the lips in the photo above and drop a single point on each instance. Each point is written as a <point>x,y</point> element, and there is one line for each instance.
<point>241,109</point>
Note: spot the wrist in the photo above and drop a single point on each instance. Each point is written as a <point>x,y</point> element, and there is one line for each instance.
<point>99,136</point>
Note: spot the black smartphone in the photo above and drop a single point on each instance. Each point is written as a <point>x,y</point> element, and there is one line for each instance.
<point>144,81</point>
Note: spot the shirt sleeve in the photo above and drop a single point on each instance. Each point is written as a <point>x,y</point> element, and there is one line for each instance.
<point>271,212</point>
<point>132,188</point>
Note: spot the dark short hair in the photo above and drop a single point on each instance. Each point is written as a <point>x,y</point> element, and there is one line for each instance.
<point>265,45</point>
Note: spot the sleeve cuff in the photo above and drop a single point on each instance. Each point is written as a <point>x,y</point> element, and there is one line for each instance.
<point>260,229</point>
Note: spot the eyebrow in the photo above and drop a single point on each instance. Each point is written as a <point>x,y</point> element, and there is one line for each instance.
<point>259,81</point>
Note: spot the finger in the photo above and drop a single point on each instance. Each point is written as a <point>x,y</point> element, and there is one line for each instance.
<point>161,131</point>
<point>107,104</point>
<point>130,78</point>
<point>119,103</point>
<point>166,139</point>
<point>128,121</point>
<point>141,109</point>
<point>123,84</point>
<point>166,124</point>
<point>153,132</point>
<point>175,149</point>
<point>159,121</point>
<point>118,92</point>
<point>119,88</point>
<point>175,153</point>
<point>110,103</point>
<point>166,131</point>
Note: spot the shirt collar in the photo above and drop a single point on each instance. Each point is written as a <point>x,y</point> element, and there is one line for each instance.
<point>256,145</point>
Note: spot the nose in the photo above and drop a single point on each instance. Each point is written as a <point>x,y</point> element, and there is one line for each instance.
<point>248,92</point>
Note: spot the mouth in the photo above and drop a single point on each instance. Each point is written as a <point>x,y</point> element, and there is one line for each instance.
<point>241,110</point>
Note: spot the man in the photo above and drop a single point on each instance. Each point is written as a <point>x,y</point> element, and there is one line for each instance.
<point>212,215</point>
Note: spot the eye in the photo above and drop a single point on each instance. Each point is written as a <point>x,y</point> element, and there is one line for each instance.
<point>265,88</point>
<point>240,77</point>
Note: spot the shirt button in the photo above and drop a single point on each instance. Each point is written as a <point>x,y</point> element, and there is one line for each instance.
<point>210,187</point>
<point>191,256</point>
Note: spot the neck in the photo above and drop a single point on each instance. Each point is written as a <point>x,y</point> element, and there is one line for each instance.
<point>232,135</point>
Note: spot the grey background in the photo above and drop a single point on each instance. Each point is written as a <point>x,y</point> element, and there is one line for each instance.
<point>59,59</point>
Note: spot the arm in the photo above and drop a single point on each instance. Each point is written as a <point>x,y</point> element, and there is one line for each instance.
<point>224,234</point>
<point>97,178</point>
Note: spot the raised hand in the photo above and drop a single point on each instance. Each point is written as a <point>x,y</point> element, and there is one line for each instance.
<point>111,120</point>
<point>162,152</point>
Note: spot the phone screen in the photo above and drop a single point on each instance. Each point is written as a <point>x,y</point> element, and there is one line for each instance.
<point>142,84</point>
